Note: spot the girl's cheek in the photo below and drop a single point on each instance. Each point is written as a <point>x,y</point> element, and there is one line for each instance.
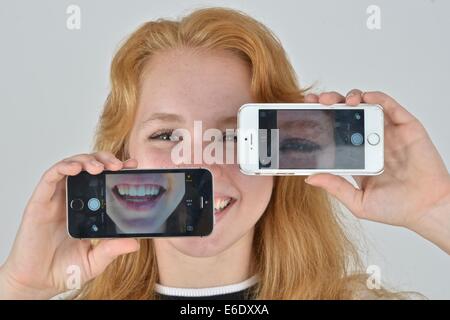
<point>154,158</point>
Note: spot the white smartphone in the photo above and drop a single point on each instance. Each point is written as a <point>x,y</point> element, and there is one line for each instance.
<point>303,139</point>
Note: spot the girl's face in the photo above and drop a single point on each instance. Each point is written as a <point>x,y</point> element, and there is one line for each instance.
<point>182,86</point>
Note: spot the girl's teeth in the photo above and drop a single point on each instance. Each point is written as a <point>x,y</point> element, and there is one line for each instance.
<point>138,190</point>
<point>221,204</point>
<point>154,190</point>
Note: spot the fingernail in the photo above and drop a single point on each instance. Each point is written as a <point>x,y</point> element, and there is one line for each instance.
<point>96,163</point>
<point>350,94</point>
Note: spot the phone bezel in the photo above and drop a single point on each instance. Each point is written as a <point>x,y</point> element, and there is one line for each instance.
<point>248,122</point>
<point>150,235</point>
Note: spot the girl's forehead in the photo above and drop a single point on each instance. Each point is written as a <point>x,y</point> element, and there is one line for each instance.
<point>205,87</point>
<point>207,118</point>
<point>179,106</point>
<point>195,78</point>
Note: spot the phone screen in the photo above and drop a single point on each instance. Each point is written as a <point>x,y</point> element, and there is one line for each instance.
<point>140,203</point>
<point>311,139</point>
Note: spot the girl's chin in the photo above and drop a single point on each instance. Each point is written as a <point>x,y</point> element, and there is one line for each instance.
<point>200,247</point>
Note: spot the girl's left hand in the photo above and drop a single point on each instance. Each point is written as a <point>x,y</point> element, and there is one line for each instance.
<point>414,189</point>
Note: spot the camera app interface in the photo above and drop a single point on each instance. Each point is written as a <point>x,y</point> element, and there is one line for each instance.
<point>115,204</point>
<point>311,139</point>
<point>142,203</point>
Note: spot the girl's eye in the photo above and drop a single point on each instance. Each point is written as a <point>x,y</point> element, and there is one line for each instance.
<point>165,135</point>
<point>299,145</point>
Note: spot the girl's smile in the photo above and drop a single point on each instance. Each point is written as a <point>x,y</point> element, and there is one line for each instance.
<point>138,197</point>
<point>222,204</point>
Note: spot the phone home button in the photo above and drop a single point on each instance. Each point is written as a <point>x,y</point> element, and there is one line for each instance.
<point>373,139</point>
<point>77,204</point>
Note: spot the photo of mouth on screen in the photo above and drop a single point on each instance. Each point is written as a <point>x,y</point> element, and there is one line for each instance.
<point>143,203</point>
<point>140,203</point>
<point>311,139</point>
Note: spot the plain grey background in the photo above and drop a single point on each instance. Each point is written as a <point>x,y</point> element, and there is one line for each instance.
<point>53,82</point>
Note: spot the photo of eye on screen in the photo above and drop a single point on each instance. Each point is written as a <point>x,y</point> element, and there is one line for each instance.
<point>140,203</point>
<point>311,139</point>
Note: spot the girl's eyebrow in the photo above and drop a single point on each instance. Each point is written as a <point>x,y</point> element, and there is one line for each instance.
<point>300,124</point>
<point>172,117</point>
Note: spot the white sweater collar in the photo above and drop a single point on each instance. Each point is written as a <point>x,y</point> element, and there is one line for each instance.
<point>204,292</point>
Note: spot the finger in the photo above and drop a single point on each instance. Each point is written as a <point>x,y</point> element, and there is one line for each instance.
<point>130,163</point>
<point>341,189</point>
<point>312,98</point>
<point>359,180</point>
<point>394,111</point>
<point>108,159</point>
<point>353,97</point>
<point>332,97</point>
<point>47,184</point>
<point>60,191</point>
<point>89,163</point>
<point>100,256</point>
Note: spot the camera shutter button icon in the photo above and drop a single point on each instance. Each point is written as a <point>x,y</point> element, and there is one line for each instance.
<point>94,204</point>
<point>357,139</point>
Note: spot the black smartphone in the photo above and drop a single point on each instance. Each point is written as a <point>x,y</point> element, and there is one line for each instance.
<point>140,203</point>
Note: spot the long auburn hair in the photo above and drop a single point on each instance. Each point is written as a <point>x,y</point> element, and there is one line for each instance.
<point>300,247</point>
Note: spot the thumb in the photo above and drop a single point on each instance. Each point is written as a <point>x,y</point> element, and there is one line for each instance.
<point>106,251</point>
<point>341,189</point>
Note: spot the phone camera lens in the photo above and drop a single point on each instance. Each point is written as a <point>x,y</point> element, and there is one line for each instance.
<point>357,139</point>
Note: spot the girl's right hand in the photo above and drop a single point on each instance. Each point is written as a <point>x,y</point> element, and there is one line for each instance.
<point>43,255</point>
